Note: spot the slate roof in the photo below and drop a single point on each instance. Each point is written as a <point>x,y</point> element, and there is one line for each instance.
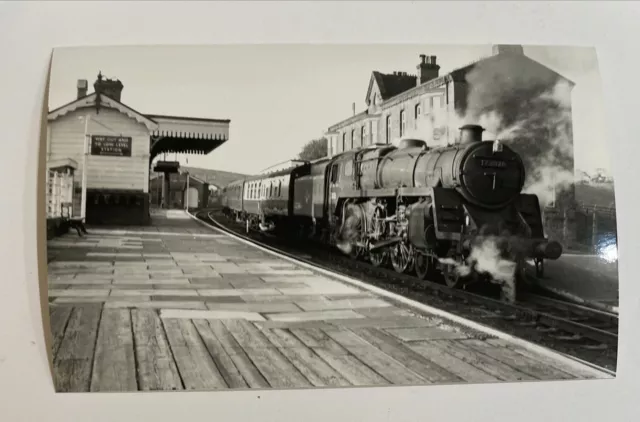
<point>392,85</point>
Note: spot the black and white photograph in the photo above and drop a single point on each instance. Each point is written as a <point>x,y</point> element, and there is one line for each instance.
<point>296,216</point>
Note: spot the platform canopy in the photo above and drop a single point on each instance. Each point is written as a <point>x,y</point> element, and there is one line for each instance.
<point>168,134</point>
<point>187,135</point>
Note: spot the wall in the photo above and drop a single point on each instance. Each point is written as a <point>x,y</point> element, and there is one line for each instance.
<point>430,116</point>
<point>66,136</point>
<point>67,133</point>
<point>433,106</point>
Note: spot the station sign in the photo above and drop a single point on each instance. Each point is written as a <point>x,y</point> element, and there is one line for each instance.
<point>114,146</point>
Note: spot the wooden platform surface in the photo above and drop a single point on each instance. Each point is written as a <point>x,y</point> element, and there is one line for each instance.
<point>177,306</point>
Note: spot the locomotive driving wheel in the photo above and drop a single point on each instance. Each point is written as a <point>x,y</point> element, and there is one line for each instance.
<point>451,274</point>
<point>423,264</point>
<point>424,259</point>
<point>402,257</point>
<point>452,277</point>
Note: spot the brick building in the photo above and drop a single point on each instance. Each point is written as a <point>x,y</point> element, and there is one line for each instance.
<point>524,103</point>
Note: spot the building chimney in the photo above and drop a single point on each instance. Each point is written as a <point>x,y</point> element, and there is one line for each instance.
<point>507,49</point>
<point>427,69</point>
<point>82,88</point>
<point>353,108</point>
<point>112,88</point>
<point>471,134</point>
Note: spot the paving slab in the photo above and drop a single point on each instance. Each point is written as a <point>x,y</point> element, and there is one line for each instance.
<point>192,308</point>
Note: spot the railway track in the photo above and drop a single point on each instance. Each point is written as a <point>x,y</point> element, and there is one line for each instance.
<point>575,330</point>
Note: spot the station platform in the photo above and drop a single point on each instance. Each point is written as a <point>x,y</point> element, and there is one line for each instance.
<point>584,277</point>
<point>180,306</point>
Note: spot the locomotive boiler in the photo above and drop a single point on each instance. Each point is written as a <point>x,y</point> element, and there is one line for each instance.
<point>458,209</point>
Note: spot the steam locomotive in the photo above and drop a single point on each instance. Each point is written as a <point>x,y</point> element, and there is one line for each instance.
<point>458,210</point>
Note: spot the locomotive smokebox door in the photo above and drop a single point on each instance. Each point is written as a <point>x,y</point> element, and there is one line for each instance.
<point>470,134</point>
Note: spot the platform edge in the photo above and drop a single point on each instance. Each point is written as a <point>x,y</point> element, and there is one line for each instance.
<point>578,364</point>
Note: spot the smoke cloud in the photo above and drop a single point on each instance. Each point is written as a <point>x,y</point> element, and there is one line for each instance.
<point>524,105</point>
<point>527,107</point>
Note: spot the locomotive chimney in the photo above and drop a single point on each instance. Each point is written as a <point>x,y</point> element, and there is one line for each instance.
<point>470,134</point>
<point>427,69</point>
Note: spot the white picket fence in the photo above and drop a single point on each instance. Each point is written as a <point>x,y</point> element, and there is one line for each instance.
<point>59,194</point>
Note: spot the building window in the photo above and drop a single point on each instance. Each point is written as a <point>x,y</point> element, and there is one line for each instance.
<point>362,136</point>
<point>418,111</point>
<point>344,141</point>
<point>403,122</point>
<point>388,129</point>
<point>353,138</point>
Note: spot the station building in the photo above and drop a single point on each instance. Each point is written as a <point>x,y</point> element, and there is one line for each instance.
<point>432,106</point>
<point>117,145</point>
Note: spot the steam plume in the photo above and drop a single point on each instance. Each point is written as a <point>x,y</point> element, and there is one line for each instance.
<point>487,258</point>
<point>522,104</point>
<point>528,108</point>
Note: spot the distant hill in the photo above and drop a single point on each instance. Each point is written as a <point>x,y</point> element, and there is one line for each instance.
<point>600,195</point>
<point>216,177</point>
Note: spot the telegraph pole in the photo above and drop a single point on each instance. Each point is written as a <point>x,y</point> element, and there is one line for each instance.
<point>87,140</point>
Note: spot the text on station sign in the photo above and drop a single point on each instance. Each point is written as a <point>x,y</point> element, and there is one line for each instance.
<point>118,146</point>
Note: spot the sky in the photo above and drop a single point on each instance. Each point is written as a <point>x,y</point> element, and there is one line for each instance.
<point>279,97</point>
